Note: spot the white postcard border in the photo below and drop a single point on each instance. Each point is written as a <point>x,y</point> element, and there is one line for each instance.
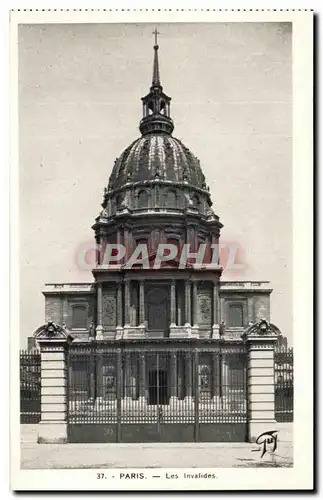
<point>300,476</point>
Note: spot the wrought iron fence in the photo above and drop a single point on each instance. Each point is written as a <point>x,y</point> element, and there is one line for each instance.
<point>155,386</point>
<point>147,390</point>
<point>30,386</point>
<point>284,383</point>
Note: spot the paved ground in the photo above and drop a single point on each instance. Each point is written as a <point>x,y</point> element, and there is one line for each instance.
<point>147,455</point>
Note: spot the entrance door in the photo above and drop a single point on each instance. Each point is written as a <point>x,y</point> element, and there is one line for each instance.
<point>158,311</point>
<point>158,387</point>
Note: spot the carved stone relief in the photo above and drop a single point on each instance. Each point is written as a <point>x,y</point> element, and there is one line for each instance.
<point>205,306</point>
<point>109,309</point>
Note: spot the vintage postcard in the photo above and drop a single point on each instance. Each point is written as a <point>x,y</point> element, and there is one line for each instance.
<point>161,273</point>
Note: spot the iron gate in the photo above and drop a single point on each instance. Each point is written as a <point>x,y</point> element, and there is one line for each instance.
<point>149,395</point>
<point>29,387</point>
<point>284,383</point>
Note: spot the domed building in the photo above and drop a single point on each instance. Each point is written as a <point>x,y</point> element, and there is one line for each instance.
<point>157,195</point>
<point>157,297</point>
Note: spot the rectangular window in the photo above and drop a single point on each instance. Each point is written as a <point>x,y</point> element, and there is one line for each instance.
<point>235,315</point>
<point>79,316</point>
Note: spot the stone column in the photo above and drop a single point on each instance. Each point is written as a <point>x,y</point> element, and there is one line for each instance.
<point>53,342</point>
<point>173,377</point>
<point>127,302</point>
<point>261,339</point>
<point>195,304</point>
<point>188,377</point>
<point>142,379</point>
<point>173,303</point>
<point>188,319</point>
<point>99,328</point>
<point>141,303</point>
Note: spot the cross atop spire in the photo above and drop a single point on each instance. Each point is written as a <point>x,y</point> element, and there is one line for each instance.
<point>156,77</point>
<point>156,32</point>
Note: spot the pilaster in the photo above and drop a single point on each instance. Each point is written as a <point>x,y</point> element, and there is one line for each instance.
<point>127,302</point>
<point>173,303</point>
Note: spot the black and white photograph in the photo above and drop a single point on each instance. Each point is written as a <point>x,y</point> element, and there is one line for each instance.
<point>156,214</point>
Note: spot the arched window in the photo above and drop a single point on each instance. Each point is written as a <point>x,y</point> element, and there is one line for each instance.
<point>142,199</point>
<point>118,201</point>
<point>170,199</point>
<point>197,202</point>
<point>150,107</point>
<point>162,108</point>
<point>79,316</point>
<point>235,318</point>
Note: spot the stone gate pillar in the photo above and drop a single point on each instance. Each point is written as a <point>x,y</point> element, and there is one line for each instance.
<point>53,341</point>
<point>261,338</point>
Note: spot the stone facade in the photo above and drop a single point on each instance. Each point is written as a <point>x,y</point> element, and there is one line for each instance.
<point>211,305</point>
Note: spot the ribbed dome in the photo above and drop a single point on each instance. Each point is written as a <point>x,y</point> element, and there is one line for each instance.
<point>157,156</point>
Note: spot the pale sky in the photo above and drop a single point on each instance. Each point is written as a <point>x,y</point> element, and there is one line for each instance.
<point>79,106</point>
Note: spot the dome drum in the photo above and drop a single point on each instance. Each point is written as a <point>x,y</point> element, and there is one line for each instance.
<point>155,197</point>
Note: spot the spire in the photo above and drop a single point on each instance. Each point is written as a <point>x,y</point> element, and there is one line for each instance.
<point>156,104</point>
<point>156,77</point>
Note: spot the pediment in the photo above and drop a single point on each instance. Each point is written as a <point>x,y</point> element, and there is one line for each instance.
<point>262,328</point>
<point>52,331</point>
